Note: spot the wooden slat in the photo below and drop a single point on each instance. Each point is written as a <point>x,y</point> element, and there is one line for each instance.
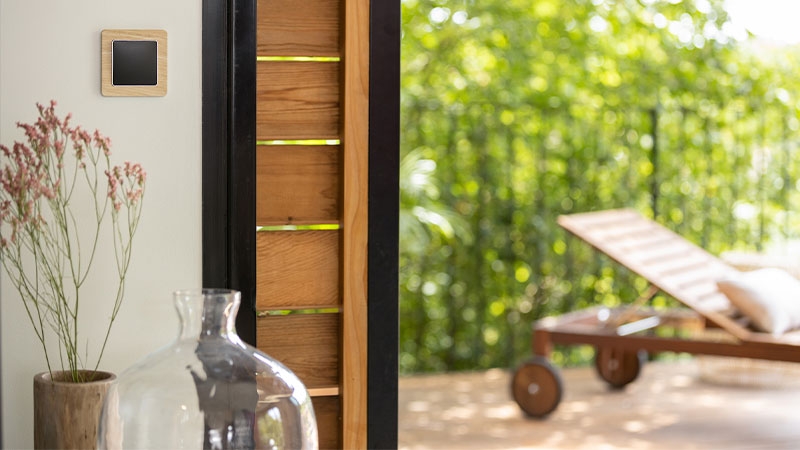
<point>656,254</point>
<point>298,28</point>
<point>673,266</point>
<point>297,269</point>
<point>646,239</point>
<point>297,100</point>
<point>308,344</point>
<point>297,184</point>
<point>689,278</point>
<point>355,141</point>
<point>613,231</point>
<point>606,218</point>
<point>328,412</point>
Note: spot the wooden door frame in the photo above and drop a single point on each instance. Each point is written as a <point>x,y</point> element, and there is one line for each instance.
<point>228,191</point>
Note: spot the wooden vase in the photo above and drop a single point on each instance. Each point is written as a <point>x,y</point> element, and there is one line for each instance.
<point>65,413</point>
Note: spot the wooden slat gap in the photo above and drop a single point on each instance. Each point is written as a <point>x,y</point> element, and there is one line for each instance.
<point>297,225</point>
<point>316,226</point>
<point>325,309</point>
<point>265,58</point>
<point>294,226</point>
<point>300,142</point>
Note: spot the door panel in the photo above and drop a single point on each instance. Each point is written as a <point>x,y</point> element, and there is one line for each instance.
<point>286,147</point>
<point>312,283</point>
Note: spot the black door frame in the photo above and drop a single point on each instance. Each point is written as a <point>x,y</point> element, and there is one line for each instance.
<point>383,222</point>
<point>229,115</point>
<point>229,144</point>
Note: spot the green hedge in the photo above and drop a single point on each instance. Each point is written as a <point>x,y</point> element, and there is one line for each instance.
<point>516,111</point>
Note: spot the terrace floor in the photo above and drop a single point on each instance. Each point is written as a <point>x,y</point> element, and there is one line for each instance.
<point>684,404</point>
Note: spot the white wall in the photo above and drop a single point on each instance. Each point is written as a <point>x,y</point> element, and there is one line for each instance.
<point>50,49</point>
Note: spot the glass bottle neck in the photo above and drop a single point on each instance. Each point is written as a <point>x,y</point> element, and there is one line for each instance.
<point>207,313</point>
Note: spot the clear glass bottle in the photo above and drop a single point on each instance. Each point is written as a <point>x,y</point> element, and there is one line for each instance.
<point>208,390</point>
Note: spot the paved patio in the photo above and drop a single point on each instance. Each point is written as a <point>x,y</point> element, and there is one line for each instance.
<point>670,406</point>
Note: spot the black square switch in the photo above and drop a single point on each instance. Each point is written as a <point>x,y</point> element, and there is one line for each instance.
<point>134,63</point>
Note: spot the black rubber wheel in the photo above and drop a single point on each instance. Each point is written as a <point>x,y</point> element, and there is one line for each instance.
<point>618,367</point>
<point>537,387</point>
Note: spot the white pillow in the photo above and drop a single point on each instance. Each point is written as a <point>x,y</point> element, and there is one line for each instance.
<point>769,297</point>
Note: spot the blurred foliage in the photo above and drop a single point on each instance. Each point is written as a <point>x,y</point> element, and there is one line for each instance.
<point>516,111</point>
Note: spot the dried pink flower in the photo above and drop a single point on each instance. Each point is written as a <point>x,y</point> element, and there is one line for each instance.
<point>37,183</point>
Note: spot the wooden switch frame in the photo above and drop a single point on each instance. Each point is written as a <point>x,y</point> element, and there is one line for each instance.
<point>108,89</point>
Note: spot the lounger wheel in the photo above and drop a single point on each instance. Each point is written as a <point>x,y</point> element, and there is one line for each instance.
<point>537,387</point>
<point>618,367</point>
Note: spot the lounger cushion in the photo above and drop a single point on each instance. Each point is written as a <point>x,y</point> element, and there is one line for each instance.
<point>769,297</point>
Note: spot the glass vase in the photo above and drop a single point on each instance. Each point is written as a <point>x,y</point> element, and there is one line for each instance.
<point>208,389</point>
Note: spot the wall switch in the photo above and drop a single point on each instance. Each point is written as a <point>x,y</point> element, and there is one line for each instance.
<point>134,63</point>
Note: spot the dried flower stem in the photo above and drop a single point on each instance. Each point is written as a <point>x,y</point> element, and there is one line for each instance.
<point>41,239</point>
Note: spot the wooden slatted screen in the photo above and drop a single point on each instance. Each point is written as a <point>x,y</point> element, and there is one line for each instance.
<point>312,133</point>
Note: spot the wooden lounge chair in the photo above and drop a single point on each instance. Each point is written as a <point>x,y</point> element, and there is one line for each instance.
<point>672,265</point>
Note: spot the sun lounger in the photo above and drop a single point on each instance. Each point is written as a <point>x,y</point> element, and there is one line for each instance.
<point>622,336</point>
